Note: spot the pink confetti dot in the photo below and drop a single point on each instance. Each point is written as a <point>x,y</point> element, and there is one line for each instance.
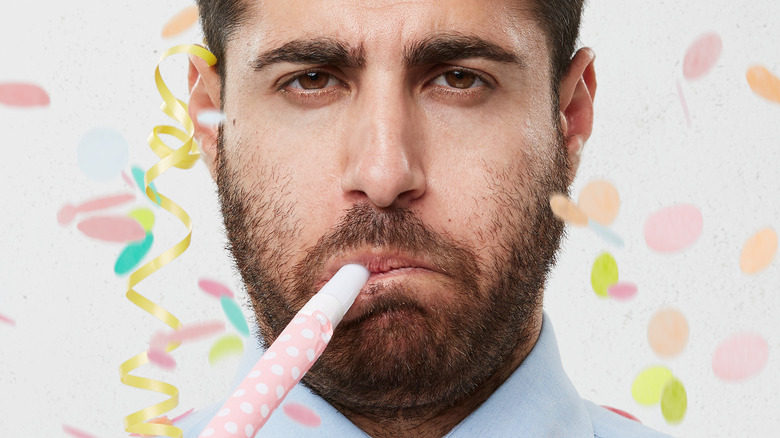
<point>72,431</point>
<point>622,291</point>
<point>214,288</point>
<point>740,357</point>
<point>621,412</point>
<point>302,414</point>
<point>702,56</point>
<point>112,229</point>
<point>161,358</point>
<point>7,320</point>
<point>673,228</point>
<point>23,95</point>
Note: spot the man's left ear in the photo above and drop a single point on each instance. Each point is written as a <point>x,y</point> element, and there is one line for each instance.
<point>577,91</point>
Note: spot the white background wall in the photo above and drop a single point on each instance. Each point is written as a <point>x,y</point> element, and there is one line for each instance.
<point>59,363</point>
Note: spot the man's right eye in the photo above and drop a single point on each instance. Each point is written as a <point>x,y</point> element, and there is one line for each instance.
<point>312,80</point>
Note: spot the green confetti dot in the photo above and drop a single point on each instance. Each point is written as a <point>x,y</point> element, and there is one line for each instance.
<point>144,216</point>
<point>234,315</point>
<point>674,401</point>
<point>225,346</point>
<point>649,385</point>
<point>604,274</point>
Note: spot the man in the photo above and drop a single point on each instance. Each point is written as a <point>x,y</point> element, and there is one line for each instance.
<point>422,139</point>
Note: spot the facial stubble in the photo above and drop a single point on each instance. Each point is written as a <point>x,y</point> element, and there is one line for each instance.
<point>404,354</point>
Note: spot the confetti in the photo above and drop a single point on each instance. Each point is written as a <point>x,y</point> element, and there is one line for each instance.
<point>740,357</point>
<point>187,332</point>
<point>764,83</point>
<point>20,94</point>
<point>144,216</point>
<point>112,229</point>
<point>160,358</point>
<point>211,118</point>
<point>72,431</point>
<point>138,176</point>
<point>68,212</point>
<point>600,201</point>
<point>604,274</point>
<point>180,22</point>
<point>225,346</point>
<point>674,401</point>
<point>214,288</point>
<point>758,252</point>
<point>622,291</point>
<point>702,56</point>
<point>566,211</point>
<point>621,412</point>
<point>132,255</point>
<point>673,228</point>
<point>302,414</point>
<point>182,416</point>
<point>684,103</point>
<point>102,154</point>
<point>7,320</point>
<point>667,332</point>
<point>605,233</point>
<point>649,385</point>
<point>159,420</point>
<point>234,315</point>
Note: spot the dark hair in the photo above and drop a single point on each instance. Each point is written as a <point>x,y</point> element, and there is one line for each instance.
<point>559,19</point>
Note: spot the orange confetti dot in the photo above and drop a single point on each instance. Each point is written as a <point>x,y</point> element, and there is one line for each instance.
<point>565,210</point>
<point>759,251</point>
<point>764,83</point>
<point>180,22</point>
<point>600,200</point>
<point>667,332</point>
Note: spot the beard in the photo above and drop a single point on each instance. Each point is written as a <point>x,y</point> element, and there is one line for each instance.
<point>407,352</point>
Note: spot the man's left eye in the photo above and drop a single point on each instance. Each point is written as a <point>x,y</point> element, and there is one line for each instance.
<point>460,79</point>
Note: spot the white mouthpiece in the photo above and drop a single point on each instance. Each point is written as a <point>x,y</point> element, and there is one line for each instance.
<point>338,294</point>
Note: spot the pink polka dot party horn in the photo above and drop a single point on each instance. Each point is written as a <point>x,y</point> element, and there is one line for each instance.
<point>286,361</point>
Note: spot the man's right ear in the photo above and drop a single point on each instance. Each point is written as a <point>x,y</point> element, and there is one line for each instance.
<point>204,85</point>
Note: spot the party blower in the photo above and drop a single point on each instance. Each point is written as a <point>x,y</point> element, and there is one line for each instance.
<point>286,361</point>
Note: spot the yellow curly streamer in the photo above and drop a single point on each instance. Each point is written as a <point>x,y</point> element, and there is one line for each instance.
<point>184,158</point>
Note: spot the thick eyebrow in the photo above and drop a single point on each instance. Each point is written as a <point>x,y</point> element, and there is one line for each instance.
<point>442,48</point>
<point>323,51</point>
<point>435,49</point>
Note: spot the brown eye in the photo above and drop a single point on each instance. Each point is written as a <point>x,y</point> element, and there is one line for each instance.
<point>313,81</point>
<point>460,79</point>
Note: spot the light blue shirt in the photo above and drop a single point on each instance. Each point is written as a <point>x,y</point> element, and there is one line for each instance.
<point>538,400</point>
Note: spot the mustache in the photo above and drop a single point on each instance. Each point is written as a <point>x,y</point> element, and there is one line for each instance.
<point>397,229</point>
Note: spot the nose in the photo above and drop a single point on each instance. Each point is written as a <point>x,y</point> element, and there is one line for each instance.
<point>384,156</point>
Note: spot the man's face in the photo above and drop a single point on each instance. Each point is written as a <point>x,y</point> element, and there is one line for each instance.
<point>416,138</point>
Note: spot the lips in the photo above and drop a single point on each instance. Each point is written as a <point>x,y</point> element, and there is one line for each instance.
<point>380,264</point>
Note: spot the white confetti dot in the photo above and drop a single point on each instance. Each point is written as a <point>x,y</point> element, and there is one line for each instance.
<point>292,351</point>
<point>308,334</point>
<point>250,430</point>
<point>279,391</point>
<point>239,393</point>
<point>310,354</point>
<point>295,372</point>
<point>277,369</point>
<point>207,432</point>
<point>269,355</point>
<point>254,374</point>
<point>285,337</point>
<point>231,427</point>
<point>300,320</point>
<point>264,410</point>
<point>247,408</point>
<point>262,388</point>
<point>224,413</point>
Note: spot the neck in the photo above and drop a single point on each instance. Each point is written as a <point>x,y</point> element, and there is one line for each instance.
<point>436,419</point>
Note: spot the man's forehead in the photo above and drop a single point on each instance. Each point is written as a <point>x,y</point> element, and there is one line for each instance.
<point>368,28</point>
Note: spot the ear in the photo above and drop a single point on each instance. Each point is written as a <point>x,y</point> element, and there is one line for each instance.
<point>204,85</point>
<point>577,91</point>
